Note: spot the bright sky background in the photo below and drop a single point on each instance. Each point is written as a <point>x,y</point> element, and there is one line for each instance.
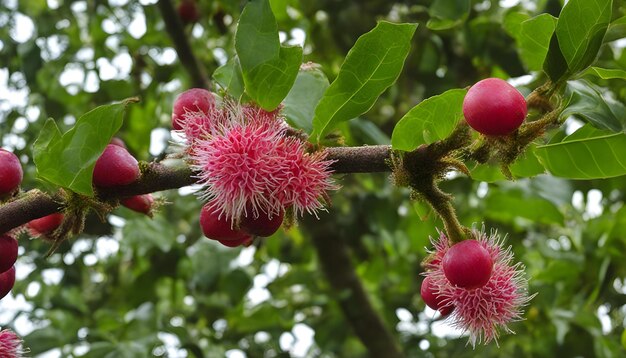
<point>301,338</point>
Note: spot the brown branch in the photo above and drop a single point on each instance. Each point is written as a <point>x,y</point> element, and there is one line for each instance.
<point>158,177</point>
<point>175,29</point>
<point>336,263</point>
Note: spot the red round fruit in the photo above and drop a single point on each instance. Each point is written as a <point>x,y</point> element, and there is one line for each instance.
<point>431,299</point>
<point>139,203</point>
<point>467,264</point>
<point>188,11</point>
<point>11,173</point>
<point>115,167</point>
<point>494,107</point>
<point>235,243</point>
<point>46,224</point>
<point>261,225</point>
<point>194,100</point>
<point>8,252</point>
<point>218,228</point>
<point>7,280</point>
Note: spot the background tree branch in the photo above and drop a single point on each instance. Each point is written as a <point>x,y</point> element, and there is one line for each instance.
<point>157,177</point>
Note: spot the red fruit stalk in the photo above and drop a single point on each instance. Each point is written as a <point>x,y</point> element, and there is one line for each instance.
<point>140,203</point>
<point>493,107</point>
<point>7,280</point>
<point>11,173</point>
<point>8,252</point>
<point>115,167</point>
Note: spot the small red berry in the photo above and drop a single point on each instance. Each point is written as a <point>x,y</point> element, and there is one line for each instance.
<point>46,224</point>
<point>432,299</point>
<point>139,203</point>
<point>7,280</point>
<point>193,100</point>
<point>11,173</point>
<point>8,252</point>
<point>115,167</point>
<point>494,107</point>
<point>467,264</point>
<point>234,243</point>
<point>218,228</point>
<point>188,11</point>
<point>261,225</point>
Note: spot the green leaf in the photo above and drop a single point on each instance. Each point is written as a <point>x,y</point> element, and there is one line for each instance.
<point>371,66</point>
<point>606,73</point>
<point>588,153</point>
<point>431,120</point>
<point>588,102</point>
<point>617,30</point>
<point>624,339</point>
<point>230,78</point>
<point>447,14</point>
<point>304,96</point>
<point>269,70</point>
<point>67,160</point>
<point>580,30</point>
<point>534,40</point>
<point>509,205</point>
<point>555,65</point>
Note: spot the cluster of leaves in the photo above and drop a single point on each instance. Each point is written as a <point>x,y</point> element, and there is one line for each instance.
<point>162,280</point>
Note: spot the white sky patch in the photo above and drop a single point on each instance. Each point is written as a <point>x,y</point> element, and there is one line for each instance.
<point>137,27</point>
<point>572,124</point>
<point>298,37</point>
<point>106,247</point>
<point>594,208</point>
<point>52,276</point>
<point>220,55</point>
<point>235,353</point>
<point>158,141</point>
<point>118,2</point>
<point>23,29</point>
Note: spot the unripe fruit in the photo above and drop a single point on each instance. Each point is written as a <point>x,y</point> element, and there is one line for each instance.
<point>467,264</point>
<point>193,100</point>
<point>7,280</point>
<point>46,224</point>
<point>261,225</point>
<point>188,11</point>
<point>139,203</point>
<point>218,228</point>
<point>494,107</point>
<point>431,299</point>
<point>235,243</point>
<point>11,173</point>
<point>115,167</point>
<point>8,252</point>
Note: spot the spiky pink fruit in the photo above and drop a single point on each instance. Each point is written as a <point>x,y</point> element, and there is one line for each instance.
<point>467,264</point>
<point>139,203</point>
<point>115,167</point>
<point>260,223</point>
<point>8,252</point>
<point>11,173</point>
<point>194,100</point>
<point>46,224</point>
<point>486,310</point>
<point>10,344</point>
<point>494,107</point>
<point>432,299</point>
<point>7,280</point>
<point>216,226</point>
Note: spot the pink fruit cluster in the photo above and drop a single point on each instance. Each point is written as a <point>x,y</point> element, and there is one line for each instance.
<point>11,176</point>
<point>251,169</point>
<point>11,173</point>
<point>10,344</point>
<point>493,107</point>
<point>476,285</point>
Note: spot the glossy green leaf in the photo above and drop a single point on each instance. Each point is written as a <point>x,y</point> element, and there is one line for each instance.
<point>230,78</point>
<point>300,103</point>
<point>580,30</point>
<point>617,30</point>
<point>68,159</point>
<point>448,14</point>
<point>589,103</point>
<point>431,120</point>
<point>606,73</point>
<point>513,23</point>
<point>534,39</point>
<point>555,65</point>
<point>269,70</point>
<point>372,65</point>
<point>588,153</point>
